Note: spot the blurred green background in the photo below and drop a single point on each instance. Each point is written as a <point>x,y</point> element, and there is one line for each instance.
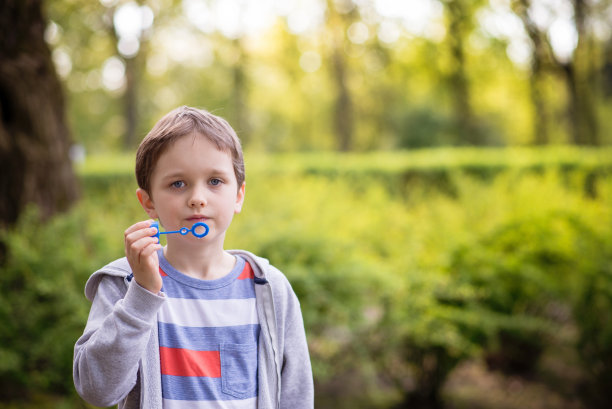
<point>433,176</point>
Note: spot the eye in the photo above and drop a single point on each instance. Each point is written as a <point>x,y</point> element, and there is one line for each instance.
<point>178,184</point>
<point>215,181</point>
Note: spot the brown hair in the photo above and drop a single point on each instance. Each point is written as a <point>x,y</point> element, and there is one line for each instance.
<point>180,122</point>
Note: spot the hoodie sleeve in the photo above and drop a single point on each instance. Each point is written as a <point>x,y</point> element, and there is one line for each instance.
<point>119,327</point>
<point>297,389</point>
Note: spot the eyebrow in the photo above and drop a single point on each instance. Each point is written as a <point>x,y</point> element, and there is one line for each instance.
<point>221,171</point>
<point>172,175</point>
<point>212,171</point>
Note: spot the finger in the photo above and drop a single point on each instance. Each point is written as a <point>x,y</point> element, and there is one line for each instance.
<point>136,235</point>
<point>139,226</point>
<point>148,259</point>
<point>149,250</point>
<point>133,249</point>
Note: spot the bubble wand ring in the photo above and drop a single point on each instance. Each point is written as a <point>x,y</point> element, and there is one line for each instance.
<point>183,230</point>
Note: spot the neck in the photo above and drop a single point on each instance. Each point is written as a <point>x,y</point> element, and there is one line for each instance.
<point>207,262</point>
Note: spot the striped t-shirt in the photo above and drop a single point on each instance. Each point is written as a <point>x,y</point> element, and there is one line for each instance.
<point>208,331</point>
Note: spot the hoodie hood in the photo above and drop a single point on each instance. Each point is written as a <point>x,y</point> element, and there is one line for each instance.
<point>121,268</point>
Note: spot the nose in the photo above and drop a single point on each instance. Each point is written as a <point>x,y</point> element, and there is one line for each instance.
<point>197,198</point>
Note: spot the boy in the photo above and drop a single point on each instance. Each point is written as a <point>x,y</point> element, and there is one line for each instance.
<point>190,325</point>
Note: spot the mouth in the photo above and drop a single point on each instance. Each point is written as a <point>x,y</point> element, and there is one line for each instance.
<point>197,218</point>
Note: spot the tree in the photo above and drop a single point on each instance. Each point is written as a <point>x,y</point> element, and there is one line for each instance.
<point>540,56</point>
<point>338,21</point>
<point>133,57</point>
<point>459,20</point>
<point>34,137</point>
<point>581,80</point>
<point>578,71</point>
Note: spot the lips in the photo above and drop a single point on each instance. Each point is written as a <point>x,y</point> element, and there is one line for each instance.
<point>197,218</point>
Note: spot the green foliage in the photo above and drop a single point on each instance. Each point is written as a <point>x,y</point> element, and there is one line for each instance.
<point>478,254</point>
<point>518,273</point>
<point>421,128</point>
<point>41,308</point>
<point>284,91</point>
<point>592,308</point>
<point>490,264</point>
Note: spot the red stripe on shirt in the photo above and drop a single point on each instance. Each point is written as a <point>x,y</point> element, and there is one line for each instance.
<point>185,362</point>
<point>247,272</point>
<point>161,273</point>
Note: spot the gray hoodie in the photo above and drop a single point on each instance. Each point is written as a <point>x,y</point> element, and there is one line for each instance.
<point>116,360</point>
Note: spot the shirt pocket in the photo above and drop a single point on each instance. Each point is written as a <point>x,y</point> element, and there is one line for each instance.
<point>239,370</point>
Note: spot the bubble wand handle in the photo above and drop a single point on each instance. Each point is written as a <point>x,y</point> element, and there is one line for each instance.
<point>183,230</point>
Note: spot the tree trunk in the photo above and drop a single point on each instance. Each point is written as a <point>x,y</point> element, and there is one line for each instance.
<point>540,112</point>
<point>573,101</point>
<point>585,79</point>
<point>343,111</point>
<point>130,101</point>
<point>133,72</point>
<point>458,17</point>
<point>240,92</point>
<point>537,75</point>
<point>343,119</point>
<point>34,137</point>
<point>579,75</point>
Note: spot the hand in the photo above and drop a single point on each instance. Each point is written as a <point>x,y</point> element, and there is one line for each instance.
<point>141,252</point>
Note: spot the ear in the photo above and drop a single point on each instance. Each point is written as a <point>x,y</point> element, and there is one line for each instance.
<point>239,199</point>
<point>146,201</point>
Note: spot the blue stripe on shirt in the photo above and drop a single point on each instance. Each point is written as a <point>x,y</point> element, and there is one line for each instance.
<point>205,338</point>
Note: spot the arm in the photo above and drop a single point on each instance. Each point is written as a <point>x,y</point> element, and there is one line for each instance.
<point>107,355</point>
<point>297,390</point>
<point>118,330</point>
<point>296,382</point>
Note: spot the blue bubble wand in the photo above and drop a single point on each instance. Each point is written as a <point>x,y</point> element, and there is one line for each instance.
<point>195,230</point>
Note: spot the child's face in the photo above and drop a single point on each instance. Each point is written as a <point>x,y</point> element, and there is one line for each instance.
<point>193,182</point>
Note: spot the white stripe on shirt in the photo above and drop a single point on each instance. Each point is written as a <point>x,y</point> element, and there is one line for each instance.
<point>180,311</point>
<point>210,404</point>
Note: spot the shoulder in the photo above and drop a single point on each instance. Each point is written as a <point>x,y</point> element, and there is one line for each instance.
<point>115,273</point>
<point>264,270</point>
<point>262,267</point>
<point>281,288</point>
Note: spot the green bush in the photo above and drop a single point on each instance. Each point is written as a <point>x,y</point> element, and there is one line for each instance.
<point>42,307</point>
<point>498,265</point>
<point>400,172</point>
<point>592,305</point>
<point>405,264</point>
<point>517,273</point>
